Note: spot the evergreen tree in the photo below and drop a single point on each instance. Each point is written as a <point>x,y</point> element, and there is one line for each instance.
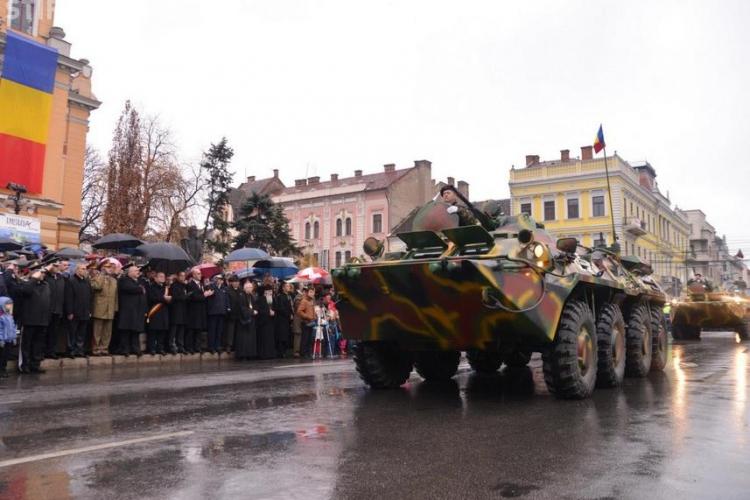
<point>215,164</point>
<point>262,224</point>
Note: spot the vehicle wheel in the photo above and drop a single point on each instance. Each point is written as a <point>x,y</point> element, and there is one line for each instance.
<point>610,335</point>
<point>382,365</point>
<point>517,359</point>
<point>744,330</point>
<point>570,364</point>
<point>484,362</point>
<point>437,365</point>
<point>659,342</point>
<point>638,342</point>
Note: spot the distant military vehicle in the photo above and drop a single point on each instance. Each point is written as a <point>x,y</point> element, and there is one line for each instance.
<point>705,308</point>
<point>500,291</point>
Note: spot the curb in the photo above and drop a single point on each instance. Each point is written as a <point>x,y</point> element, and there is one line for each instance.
<point>95,362</point>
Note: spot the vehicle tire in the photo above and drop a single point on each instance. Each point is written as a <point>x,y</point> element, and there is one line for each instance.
<point>517,359</point>
<point>437,366</point>
<point>638,345</point>
<point>659,340</point>
<point>382,365</point>
<point>610,335</point>
<point>570,364</point>
<point>744,330</point>
<point>484,362</point>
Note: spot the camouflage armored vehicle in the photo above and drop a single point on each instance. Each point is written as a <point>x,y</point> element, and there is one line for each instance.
<point>707,309</point>
<point>500,290</point>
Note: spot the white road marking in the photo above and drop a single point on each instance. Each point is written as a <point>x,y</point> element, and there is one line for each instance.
<point>105,446</point>
<point>11,402</point>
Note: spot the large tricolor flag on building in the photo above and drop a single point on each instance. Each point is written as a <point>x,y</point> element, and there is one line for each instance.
<point>27,82</point>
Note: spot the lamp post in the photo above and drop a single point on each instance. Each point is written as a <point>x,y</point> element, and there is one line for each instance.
<point>19,189</point>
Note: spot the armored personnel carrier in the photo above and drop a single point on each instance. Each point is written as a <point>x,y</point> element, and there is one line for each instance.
<point>500,290</point>
<point>707,309</point>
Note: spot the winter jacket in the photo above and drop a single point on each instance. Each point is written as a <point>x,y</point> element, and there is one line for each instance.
<point>158,308</point>
<point>56,283</point>
<point>218,303</point>
<point>105,297</point>
<point>78,294</point>
<point>178,306</point>
<point>306,310</point>
<point>235,304</point>
<point>132,311</point>
<point>37,305</point>
<point>196,308</point>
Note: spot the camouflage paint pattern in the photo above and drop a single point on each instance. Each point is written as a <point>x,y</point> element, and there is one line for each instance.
<point>455,301</point>
<point>711,311</point>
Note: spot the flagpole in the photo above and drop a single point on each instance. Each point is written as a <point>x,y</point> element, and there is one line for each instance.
<point>615,245</point>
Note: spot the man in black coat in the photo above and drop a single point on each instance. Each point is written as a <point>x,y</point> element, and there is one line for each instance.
<point>234,295</point>
<point>217,306</point>
<point>57,325</point>
<point>132,310</point>
<point>78,297</point>
<point>36,315</point>
<point>284,315</point>
<point>157,320</point>
<point>196,312</point>
<point>177,314</point>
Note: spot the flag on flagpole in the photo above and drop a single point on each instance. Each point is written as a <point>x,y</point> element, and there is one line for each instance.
<point>599,141</point>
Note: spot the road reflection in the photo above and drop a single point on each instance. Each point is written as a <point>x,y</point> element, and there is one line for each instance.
<point>740,394</point>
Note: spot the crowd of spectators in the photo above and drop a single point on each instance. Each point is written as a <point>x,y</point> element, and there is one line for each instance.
<point>79,309</point>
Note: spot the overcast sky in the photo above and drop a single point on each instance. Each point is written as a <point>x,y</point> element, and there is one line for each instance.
<point>319,87</point>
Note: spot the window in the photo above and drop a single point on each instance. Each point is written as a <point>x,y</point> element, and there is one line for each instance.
<point>339,227</point>
<point>573,208</point>
<point>549,210</point>
<point>377,223</point>
<point>316,258</point>
<point>338,258</point>
<point>348,255</point>
<point>597,205</point>
<point>22,16</point>
<point>348,226</point>
<point>526,209</point>
<point>316,230</point>
<point>307,230</point>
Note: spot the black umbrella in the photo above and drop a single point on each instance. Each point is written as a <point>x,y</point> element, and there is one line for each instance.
<point>165,257</point>
<point>70,253</point>
<point>8,245</point>
<point>115,241</point>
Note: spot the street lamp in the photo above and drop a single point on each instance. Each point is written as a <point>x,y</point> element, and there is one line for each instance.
<point>19,189</point>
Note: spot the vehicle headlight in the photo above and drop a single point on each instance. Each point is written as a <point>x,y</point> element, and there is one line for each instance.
<point>539,254</point>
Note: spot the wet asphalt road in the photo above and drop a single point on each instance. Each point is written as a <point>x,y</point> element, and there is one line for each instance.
<point>290,430</point>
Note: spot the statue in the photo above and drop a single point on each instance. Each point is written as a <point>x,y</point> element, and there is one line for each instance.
<point>192,245</point>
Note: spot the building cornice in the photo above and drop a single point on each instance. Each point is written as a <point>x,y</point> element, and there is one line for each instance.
<point>83,101</point>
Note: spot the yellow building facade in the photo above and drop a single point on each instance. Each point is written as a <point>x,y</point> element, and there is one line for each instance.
<point>570,197</point>
<point>53,205</point>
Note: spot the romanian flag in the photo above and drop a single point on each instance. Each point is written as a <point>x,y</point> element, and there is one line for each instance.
<point>599,141</point>
<point>27,82</point>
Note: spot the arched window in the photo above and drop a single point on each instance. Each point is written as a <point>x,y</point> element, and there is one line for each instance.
<point>307,230</point>
<point>316,230</point>
<point>348,226</point>
<point>339,228</point>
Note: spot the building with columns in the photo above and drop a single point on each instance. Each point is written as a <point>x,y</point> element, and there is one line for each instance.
<point>569,195</point>
<point>46,100</point>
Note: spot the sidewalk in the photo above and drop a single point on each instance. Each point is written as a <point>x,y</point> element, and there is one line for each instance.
<point>110,361</point>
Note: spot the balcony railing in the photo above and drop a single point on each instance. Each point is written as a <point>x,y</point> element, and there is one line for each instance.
<point>635,226</point>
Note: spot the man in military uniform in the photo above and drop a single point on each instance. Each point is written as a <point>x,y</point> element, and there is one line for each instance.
<point>465,217</point>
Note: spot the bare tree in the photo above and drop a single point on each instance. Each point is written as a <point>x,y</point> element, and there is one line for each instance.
<point>171,213</point>
<point>93,194</point>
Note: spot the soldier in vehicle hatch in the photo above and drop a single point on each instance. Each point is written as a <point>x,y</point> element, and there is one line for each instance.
<point>465,217</point>
<point>703,281</point>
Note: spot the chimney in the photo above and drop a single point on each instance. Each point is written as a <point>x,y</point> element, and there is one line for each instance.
<point>531,160</point>
<point>275,173</point>
<point>313,180</point>
<point>451,181</point>
<point>564,155</point>
<point>300,182</point>
<point>587,152</point>
<point>334,177</point>
<point>423,163</point>
<point>463,188</point>
<point>357,173</point>
<point>389,167</point>
<point>250,178</point>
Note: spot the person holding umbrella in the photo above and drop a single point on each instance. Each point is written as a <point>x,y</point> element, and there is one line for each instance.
<point>131,297</point>
<point>157,318</point>
<point>196,325</point>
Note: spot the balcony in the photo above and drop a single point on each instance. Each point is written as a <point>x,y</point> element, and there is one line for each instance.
<point>635,226</point>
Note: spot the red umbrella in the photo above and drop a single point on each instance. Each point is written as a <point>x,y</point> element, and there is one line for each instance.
<point>208,270</point>
<point>315,275</point>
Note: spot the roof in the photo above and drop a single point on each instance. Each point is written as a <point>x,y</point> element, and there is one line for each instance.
<point>238,195</point>
<point>372,182</point>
